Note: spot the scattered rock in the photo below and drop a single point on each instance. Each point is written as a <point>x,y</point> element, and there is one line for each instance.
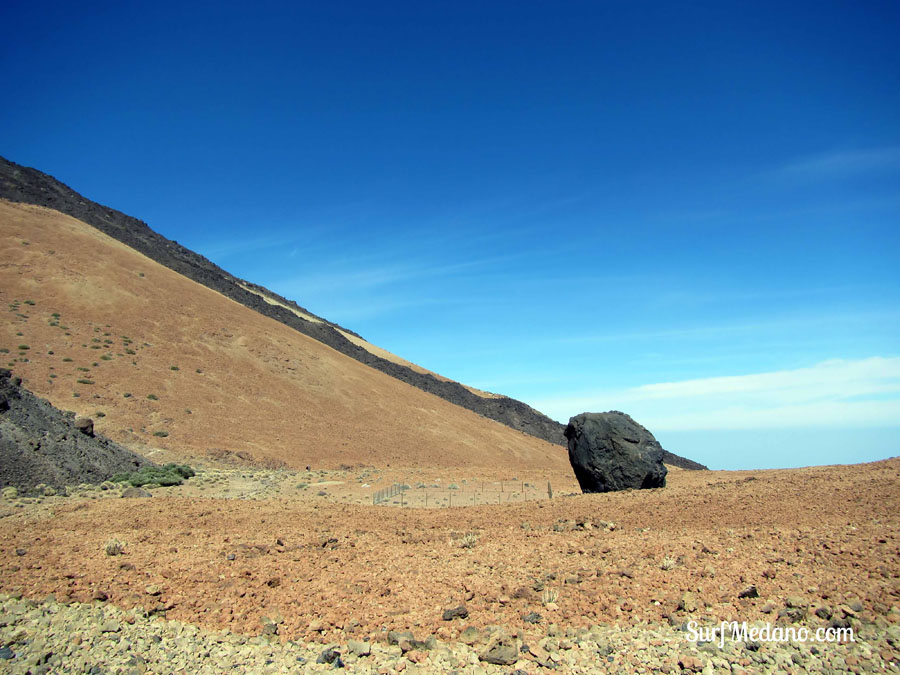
<point>532,617</point>
<point>459,612</point>
<point>749,592</point>
<point>688,602</point>
<point>85,425</point>
<point>502,653</point>
<point>331,656</point>
<point>359,648</point>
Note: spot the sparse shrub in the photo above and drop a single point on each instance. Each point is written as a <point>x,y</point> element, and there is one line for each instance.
<point>84,381</point>
<point>83,369</point>
<point>549,596</point>
<point>126,395</point>
<point>174,368</point>
<point>153,397</point>
<point>4,350</point>
<point>106,357</point>
<point>668,563</point>
<point>10,492</point>
<point>29,302</point>
<point>468,540</point>
<point>161,434</point>
<point>114,547</point>
<point>67,360</point>
<point>302,486</point>
<point>24,347</point>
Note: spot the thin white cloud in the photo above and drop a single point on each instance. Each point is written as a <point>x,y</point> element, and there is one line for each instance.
<point>834,393</point>
<point>841,163</point>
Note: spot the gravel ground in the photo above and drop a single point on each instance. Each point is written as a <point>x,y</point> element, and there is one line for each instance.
<point>49,637</point>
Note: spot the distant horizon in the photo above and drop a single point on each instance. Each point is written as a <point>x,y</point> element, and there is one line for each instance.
<point>691,214</point>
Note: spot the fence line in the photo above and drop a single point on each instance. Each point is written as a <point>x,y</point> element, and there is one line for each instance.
<point>498,492</point>
<point>386,493</point>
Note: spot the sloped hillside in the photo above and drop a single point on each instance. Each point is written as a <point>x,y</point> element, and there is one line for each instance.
<point>30,186</point>
<point>100,329</point>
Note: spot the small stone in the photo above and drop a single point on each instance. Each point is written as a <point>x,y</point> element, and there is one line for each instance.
<point>749,592</point>
<point>6,653</point>
<point>691,663</point>
<point>532,617</point>
<point>687,603</point>
<point>330,655</point>
<point>100,595</point>
<point>500,654</point>
<point>20,552</point>
<point>110,627</point>
<point>469,636</point>
<point>459,612</point>
<point>153,589</point>
<point>855,604</point>
<point>85,425</point>
<point>359,648</point>
<point>823,612</point>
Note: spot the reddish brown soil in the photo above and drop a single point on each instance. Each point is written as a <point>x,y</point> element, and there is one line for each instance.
<point>827,535</point>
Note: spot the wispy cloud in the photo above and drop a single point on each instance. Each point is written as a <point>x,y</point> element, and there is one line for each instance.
<point>840,164</point>
<point>834,393</point>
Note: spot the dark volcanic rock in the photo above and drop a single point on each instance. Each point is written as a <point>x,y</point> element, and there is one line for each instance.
<point>610,451</point>
<point>41,444</point>
<point>85,425</point>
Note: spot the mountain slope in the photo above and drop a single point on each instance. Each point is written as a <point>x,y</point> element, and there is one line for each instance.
<point>22,184</point>
<point>96,327</point>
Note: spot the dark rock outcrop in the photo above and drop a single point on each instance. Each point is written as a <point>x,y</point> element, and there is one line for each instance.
<point>610,451</point>
<point>41,444</point>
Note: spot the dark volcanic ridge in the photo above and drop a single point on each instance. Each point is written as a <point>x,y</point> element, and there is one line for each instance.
<point>40,444</point>
<point>30,186</point>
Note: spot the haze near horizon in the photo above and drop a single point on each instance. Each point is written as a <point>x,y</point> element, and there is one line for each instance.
<point>689,213</point>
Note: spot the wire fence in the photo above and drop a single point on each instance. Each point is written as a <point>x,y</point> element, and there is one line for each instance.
<point>386,493</point>
<point>472,494</point>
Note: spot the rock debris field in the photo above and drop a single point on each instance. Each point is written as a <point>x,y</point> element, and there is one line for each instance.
<point>206,577</point>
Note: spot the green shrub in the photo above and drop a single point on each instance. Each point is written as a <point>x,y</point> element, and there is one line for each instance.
<point>169,474</point>
<point>174,368</point>
<point>153,397</point>
<point>161,434</point>
<point>23,347</point>
<point>85,381</point>
<point>67,360</point>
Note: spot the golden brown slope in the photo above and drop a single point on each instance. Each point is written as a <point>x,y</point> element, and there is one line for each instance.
<point>116,329</point>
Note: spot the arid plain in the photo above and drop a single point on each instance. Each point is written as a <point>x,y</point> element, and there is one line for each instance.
<point>256,545</point>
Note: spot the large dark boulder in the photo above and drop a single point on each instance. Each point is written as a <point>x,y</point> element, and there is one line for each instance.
<point>610,451</point>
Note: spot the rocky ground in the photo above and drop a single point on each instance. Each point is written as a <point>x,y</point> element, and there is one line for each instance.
<point>288,571</point>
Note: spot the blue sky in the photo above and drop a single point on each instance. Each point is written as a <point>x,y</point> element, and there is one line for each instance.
<point>688,211</point>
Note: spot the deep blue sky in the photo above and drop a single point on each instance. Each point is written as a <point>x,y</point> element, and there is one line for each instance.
<point>572,203</point>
